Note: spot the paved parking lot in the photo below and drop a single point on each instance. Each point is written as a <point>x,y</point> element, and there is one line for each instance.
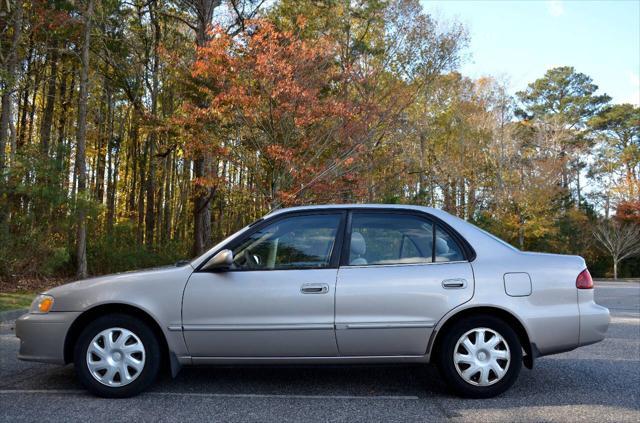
<point>595,383</point>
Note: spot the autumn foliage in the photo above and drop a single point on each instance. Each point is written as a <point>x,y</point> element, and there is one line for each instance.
<point>628,212</point>
<point>276,96</point>
<point>199,116</point>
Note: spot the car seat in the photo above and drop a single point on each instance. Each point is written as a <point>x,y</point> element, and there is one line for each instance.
<point>358,248</point>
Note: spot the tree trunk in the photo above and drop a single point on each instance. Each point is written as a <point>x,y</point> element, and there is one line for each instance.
<point>141,186</point>
<point>32,106</point>
<point>133,158</point>
<point>471,201</point>
<point>23,110</point>
<point>81,166</point>
<point>66,161</point>
<point>202,197</point>
<point>201,211</point>
<point>112,186</point>
<point>47,116</point>
<point>46,126</point>
<point>578,187</point>
<point>615,269</point>
<point>12,66</point>
<point>151,180</point>
<point>104,139</point>
<point>168,190</point>
<point>520,232</point>
<point>462,199</point>
<point>61,126</point>
<point>422,176</point>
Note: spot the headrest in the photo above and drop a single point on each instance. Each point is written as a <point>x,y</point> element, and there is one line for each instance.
<point>441,246</point>
<point>358,245</point>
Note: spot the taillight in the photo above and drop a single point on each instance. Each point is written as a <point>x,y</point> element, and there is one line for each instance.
<point>584,281</point>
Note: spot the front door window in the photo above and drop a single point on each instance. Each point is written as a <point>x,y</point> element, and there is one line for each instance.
<point>298,242</point>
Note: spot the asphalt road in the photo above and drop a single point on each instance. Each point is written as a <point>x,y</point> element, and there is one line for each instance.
<point>600,383</point>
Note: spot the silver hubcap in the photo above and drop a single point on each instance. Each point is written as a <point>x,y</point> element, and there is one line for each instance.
<point>115,357</point>
<point>481,357</point>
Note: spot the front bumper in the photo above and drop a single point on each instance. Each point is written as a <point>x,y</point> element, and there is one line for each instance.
<point>42,336</point>
<point>594,322</point>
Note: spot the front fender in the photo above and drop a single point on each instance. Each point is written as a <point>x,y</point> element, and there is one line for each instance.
<point>156,293</point>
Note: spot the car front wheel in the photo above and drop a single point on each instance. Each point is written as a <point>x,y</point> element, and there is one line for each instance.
<point>480,357</point>
<point>117,356</point>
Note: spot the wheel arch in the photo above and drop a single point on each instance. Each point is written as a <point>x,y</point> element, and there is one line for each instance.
<point>111,308</point>
<point>505,315</point>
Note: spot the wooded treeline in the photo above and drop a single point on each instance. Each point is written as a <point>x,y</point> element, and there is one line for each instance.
<point>139,132</point>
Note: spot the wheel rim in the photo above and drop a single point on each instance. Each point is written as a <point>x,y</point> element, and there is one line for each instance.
<point>115,357</point>
<point>482,357</point>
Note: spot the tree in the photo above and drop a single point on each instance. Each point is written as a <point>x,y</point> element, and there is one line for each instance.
<point>81,170</point>
<point>9,77</point>
<point>525,206</point>
<point>621,241</point>
<point>138,139</point>
<point>560,105</point>
<point>618,130</point>
<point>152,137</point>
<point>271,93</point>
<point>199,19</point>
<point>628,211</point>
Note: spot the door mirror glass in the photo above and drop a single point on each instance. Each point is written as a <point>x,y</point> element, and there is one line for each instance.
<point>220,261</point>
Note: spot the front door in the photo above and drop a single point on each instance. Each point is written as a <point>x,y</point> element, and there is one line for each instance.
<point>401,274</point>
<point>277,300</point>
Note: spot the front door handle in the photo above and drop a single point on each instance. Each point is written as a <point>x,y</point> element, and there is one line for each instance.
<point>454,283</point>
<point>315,288</point>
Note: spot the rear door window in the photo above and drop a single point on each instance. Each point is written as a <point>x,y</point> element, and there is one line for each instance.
<point>395,238</point>
<point>380,238</point>
<point>446,248</point>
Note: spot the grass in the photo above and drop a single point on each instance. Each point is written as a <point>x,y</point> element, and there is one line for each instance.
<point>15,300</point>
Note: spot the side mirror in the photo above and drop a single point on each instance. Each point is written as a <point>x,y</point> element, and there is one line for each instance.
<point>222,260</point>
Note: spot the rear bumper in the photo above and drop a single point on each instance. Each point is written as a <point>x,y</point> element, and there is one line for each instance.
<point>594,322</point>
<point>42,336</point>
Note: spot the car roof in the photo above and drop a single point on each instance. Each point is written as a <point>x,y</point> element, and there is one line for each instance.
<point>354,206</point>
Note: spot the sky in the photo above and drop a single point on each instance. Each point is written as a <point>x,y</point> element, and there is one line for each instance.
<point>520,40</point>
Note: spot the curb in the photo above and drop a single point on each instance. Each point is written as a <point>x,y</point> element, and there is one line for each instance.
<point>12,314</point>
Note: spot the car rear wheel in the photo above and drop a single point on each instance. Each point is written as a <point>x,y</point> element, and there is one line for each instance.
<point>117,356</point>
<point>480,357</point>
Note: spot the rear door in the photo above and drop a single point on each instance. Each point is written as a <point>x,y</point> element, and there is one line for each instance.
<point>400,273</point>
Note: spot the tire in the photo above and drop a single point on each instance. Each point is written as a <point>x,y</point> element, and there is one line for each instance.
<point>133,350</point>
<point>460,354</point>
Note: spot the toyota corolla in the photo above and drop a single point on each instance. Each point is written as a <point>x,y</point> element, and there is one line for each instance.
<point>326,284</point>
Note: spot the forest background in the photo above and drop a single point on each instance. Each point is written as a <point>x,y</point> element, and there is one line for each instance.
<point>135,133</point>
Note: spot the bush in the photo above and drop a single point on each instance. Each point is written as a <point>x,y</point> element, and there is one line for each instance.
<point>120,251</point>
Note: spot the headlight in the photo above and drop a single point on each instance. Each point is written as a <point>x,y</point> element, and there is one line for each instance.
<point>42,304</point>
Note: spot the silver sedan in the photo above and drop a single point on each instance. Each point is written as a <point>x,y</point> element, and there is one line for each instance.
<point>326,284</point>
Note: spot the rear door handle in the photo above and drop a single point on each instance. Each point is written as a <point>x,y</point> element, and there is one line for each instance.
<point>315,288</point>
<point>454,283</point>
